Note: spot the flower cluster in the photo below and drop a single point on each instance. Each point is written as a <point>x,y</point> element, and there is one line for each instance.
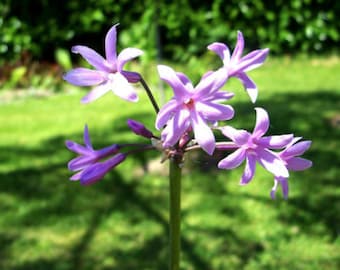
<point>190,118</point>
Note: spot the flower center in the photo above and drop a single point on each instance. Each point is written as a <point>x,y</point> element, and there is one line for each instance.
<point>189,103</point>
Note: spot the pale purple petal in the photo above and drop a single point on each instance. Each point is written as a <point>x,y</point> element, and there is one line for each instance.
<point>296,149</point>
<point>202,132</point>
<point>221,50</point>
<point>166,112</point>
<point>121,87</point>
<point>283,182</point>
<point>96,92</point>
<point>84,77</point>
<point>215,112</point>
<point>92,57</point>
<point>110,45</point>
<point>240,137</point>
<point>252,60</point>
<point>275,142</point>
<point>185,80</point>
<point>271,162</point>
<point>262,123</point>
<point>298,164</point>
<point>210,84</point>
<point>219,96</point>
<point>87,139</point>
<point>233,160</point>
<point>176,127</point>
<point>168,75</point>
<point>249,169</point>
<point>249,86</point>
<point>76,176</point>
<point>238,50</point>
<point>77,148</point>
<point>81,162</point>
<point>127,55</point>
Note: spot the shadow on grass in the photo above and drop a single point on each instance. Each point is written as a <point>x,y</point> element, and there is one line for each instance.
<point>43,196</point>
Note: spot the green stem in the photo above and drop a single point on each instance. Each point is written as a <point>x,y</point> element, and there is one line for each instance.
<point>175,214</point>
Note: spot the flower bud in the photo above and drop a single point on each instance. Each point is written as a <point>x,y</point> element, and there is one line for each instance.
<point>139,129</point>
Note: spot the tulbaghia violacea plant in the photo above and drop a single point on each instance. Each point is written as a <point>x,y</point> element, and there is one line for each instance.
<point>186,122</point>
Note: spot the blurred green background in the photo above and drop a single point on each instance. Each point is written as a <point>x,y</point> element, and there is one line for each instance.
<point>48,222</point>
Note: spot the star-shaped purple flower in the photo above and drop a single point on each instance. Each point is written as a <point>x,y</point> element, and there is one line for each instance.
<point>87,165</point>
<point>192,108</point>
<point>256,148</point>
<point>108,73</point>
<point>237,66</point>
<point>292,162</point>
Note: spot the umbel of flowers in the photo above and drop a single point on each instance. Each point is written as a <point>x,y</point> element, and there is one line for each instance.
<point>188,121</point>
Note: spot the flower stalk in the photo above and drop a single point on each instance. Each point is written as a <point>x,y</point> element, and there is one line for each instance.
<point>175,174</point>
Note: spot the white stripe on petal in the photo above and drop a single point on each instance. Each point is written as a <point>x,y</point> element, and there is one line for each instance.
<point>272,163</point>
<point>203,133</point>
<point>121,87</point>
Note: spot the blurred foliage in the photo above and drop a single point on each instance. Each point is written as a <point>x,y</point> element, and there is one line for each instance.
<point>175,29</point>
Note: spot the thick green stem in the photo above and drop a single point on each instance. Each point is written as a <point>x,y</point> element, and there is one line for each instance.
<point>175,214</point>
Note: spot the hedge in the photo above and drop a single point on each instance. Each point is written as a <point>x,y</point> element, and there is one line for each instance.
<point>179,29</point>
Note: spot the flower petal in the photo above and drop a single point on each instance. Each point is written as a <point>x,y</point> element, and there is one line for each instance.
<point>166,112</point>
<point>249,86</point>
<point>239,136</point>
<point>249,170</point>
<point>275,142</point>
<point>219,96</point>
<point>210,84</point>
<point>271,162</point>
<point>233,160</point>
<point>168,75</point>
<point>262,123</point>
<point>251,61</point>
<point>84,77</point>
<point>77,148</point>
<point>185,80</point>
<point>87,139</point>
<point>82,162</point>
<point>202,132</point>
<point>238,50</point>
<point>283,182</point>
<point>176,128</point>
<point>298,164</point>
<point>96,92</point>
<point>110,45</point>
<point>127,55</point>
<point>215,112</point>
<point>91,56</point>
<point>121,87</point>
<point>221,50</point>
<point>296,149</point>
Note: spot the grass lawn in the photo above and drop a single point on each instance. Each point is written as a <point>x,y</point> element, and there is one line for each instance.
<point>48,222</point>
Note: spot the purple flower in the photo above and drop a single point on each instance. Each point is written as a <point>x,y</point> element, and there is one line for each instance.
<point>97,171</point>
<point>88,157</point>
<point>237,66</point>
<point>256,148</point>
<point>192,108</point>
<point>108,73</point>
<point>292,163</point>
